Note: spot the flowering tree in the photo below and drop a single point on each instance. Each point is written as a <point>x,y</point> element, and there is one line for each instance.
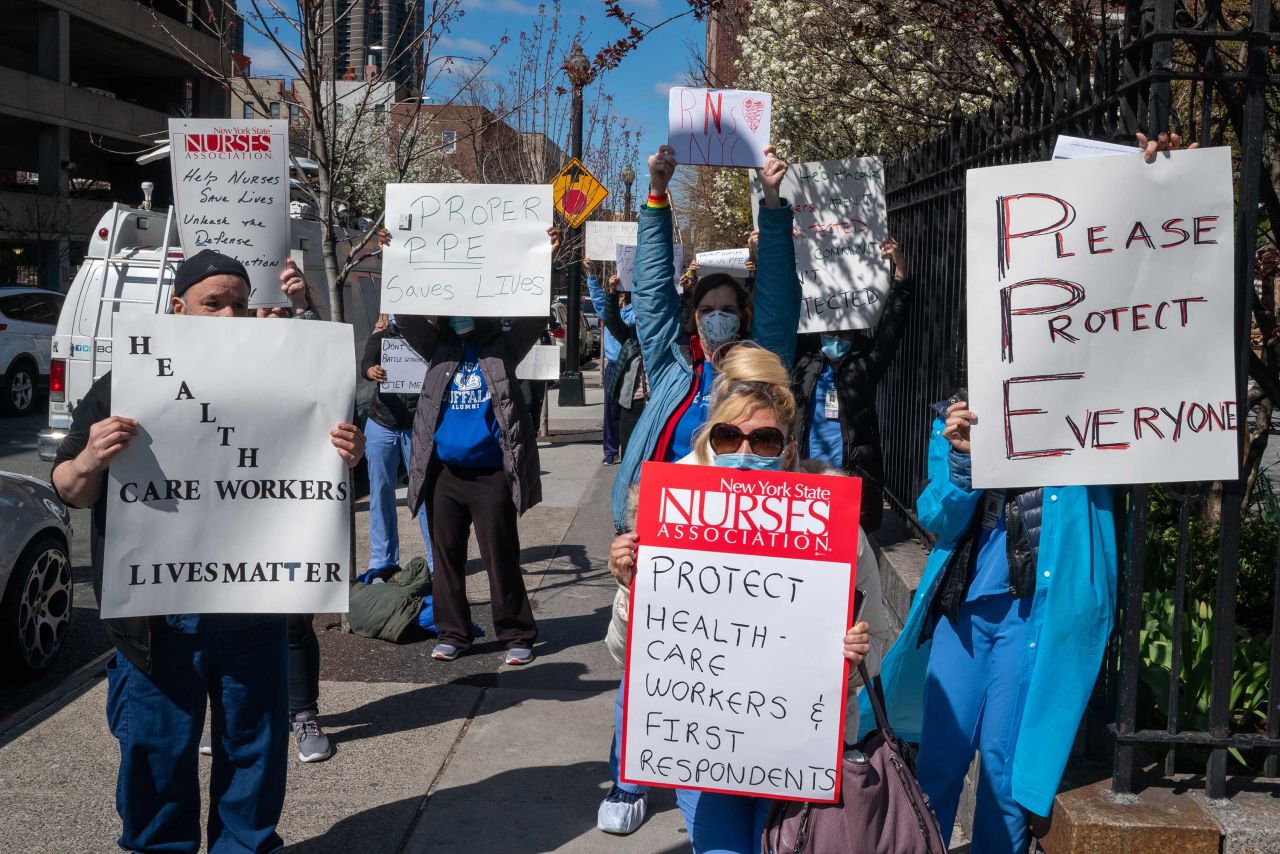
<point>395,153</point>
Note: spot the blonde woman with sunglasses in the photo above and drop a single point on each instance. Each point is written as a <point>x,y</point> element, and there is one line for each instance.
<point>750,426</point>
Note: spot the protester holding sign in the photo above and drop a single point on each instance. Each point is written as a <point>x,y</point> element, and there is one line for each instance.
<point>475,458</point>
<point>612,349</point>
<point>720,313</point>
<point>748,428</point>
<point>629,385</point>
<point>167,668</point>
<point>835,381</point>
<point>389,430</point>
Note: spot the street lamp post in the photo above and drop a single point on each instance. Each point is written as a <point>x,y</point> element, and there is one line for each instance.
<point>578,68</point>
<point>628,178</point>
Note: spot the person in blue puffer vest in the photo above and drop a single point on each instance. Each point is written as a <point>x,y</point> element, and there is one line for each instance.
<point>1004,639</point>
<point>680,380</point>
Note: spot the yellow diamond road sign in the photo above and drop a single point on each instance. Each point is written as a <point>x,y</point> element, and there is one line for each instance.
<point>577,193</point>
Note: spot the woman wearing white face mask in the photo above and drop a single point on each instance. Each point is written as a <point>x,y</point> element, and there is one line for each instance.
<point>751,426</point>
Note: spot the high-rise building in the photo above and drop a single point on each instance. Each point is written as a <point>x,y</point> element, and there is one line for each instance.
<point>376,38</point>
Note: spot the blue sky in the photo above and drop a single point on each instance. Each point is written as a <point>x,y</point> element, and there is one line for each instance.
<point>639,85</point>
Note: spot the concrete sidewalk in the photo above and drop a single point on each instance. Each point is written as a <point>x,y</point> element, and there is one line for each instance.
<point>467,756</point>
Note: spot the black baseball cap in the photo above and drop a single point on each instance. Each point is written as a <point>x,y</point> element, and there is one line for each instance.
<point>204,264</point>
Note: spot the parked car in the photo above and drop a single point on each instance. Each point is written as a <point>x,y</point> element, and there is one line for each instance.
<point>27,320</point>
<point>560,316</point>
<point>594,324</point>
<point>128,270</point>
<point>35,575</point>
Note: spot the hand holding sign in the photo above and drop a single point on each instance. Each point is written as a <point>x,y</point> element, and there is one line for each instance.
<point>662,167</point>
<point>771,175</point>
<point>959,423</point>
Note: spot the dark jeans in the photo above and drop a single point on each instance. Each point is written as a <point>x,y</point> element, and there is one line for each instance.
<point>304,665</point>
<point>612,413</point>
<point>158,718</point>
<point>460,498</point>
<point>627,423</point>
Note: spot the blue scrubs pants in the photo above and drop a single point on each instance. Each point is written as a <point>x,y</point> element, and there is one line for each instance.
<point>158,719</point>
<point>975,690</point>
<point>385,449</point>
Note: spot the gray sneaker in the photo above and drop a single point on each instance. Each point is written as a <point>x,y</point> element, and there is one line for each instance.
<point>518,656</point>
<point>444,652</point>
<point>206,744</point>
<point>313,744</point>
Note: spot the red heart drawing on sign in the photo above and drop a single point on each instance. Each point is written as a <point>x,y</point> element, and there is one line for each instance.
<point>755,112</point>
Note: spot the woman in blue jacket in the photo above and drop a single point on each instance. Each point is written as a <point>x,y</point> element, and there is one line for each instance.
<point>1003,643</point>
<point>680,382</point>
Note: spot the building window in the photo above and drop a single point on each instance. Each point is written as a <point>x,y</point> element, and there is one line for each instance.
<point>293,112</point>
<point>248,111</point>
<point>379,112</point>
<point>275,109</point>
<point>340,112</point>
<point>450,140</point>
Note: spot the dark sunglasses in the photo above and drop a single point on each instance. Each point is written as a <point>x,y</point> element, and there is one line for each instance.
<point>764,441</point>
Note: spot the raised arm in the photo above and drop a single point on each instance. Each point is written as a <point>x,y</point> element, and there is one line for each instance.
<point>654,295</point>
<point>777,293</point>
<point>612,317</point>
<point>893,320</point>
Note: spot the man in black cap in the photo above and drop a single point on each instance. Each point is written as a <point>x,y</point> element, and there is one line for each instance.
<point>167,668</point>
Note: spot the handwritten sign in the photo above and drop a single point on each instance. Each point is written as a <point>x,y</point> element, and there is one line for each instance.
<point>231,189</point>
<point>231,499</point>
<point>732,262</point>
<point>603,235</point>
<point>467,249</point>
<point>405,368</point>
<point>718,127</point>
<point>1100,311</point>
<point>625,258</point>
<point>743,591</point>
<point>541,365</point>
<point>840,219</point>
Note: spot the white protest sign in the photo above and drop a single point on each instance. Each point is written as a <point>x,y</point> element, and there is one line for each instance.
<point>231,499</point>
<point>1074,148</point>
<point>743,590</point>
<point>231,191</point>
<point>625,259</point>
<point>468,249</point>
<point>1100,321</point>
<point>541,365</point>
<point>840,219</point>
<point>718,127</point>
<point>602,236</point>
<point>405,368</point>
<point>732,262</point>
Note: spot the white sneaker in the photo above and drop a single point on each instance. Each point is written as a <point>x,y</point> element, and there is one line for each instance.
<point>622,812</point>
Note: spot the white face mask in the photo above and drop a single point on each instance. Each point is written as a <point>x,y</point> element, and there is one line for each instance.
<point>718,327</point>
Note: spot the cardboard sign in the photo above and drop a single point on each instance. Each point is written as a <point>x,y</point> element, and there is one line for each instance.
<point>1100,314</point>
<point>732,262</point>
<point>467,249</point>
<point>1074,148</point>
<point>541,365</point>
<point>231,498</point>
<point>231,191</point>
<point>840,219</point>
<point>602,236</point>
<point>405,368</point>
<point>718,127</point>
<point>744,584</point>
<point>625,259</point>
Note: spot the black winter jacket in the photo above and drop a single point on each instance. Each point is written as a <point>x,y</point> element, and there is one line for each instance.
<point>500,350</point>
<point>391,410</point>
<point>857,376</point>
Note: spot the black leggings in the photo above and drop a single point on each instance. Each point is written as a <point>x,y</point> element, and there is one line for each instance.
<point>304,665</point>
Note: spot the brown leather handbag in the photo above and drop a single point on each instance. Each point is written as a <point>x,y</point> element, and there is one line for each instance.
<point>881,807</point>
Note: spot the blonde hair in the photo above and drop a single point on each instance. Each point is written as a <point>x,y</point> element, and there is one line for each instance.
<point>748,377</point>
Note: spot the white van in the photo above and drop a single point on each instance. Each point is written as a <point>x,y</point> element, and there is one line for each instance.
<point>129,268</point>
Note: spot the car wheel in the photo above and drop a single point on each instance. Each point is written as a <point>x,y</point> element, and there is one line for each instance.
<point>35,613</point>
<point>20,389</point>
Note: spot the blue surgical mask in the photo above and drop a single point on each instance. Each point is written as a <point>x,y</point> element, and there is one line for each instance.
<point>835,348</point>
<point>462,325</point>
<point>718,327</point>
<point>749,462</point>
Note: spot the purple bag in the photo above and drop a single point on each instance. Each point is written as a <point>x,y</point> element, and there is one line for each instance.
<point>881,808</point>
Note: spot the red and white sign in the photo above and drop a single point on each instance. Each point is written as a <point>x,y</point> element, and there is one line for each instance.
<point>231,189</point>
<point>736,678</point>
<point>718,127</point>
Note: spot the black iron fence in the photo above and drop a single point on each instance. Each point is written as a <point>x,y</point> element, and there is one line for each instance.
<point>1207,70</point>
